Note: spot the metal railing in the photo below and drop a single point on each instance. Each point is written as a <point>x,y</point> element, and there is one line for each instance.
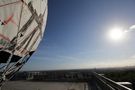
<point>108,84</point>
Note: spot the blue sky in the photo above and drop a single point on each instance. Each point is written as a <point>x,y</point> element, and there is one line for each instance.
<point>76,35</point>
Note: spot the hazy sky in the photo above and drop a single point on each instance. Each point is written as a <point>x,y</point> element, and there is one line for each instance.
<point>76,35</point>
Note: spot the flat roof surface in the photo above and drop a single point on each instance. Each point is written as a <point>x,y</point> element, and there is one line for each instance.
<point>25,85</point>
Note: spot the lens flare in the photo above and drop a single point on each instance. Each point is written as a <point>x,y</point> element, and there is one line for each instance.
<point>116,34</point>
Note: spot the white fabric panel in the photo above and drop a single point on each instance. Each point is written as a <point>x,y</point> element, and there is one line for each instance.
<point>10,11</point>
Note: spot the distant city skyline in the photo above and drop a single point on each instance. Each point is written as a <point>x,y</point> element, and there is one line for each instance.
<point>76,35</point>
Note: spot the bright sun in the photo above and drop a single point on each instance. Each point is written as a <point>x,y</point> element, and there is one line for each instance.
<point>116,34</point>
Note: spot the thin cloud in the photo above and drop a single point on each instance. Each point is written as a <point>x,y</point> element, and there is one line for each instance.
<point>131,28</point>
<point>132,57</point>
